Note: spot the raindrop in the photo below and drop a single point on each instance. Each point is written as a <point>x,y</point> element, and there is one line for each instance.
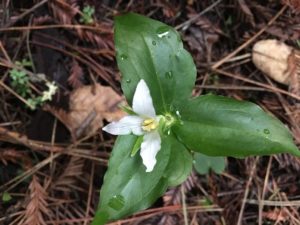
<point>266,131</point>
<point>123,57</point>
<point>128,81</point>
<point>169,75</point>
<point>154,42</point>
<point>117,202</point>
<point>169,36</point>
<point>162,31</point>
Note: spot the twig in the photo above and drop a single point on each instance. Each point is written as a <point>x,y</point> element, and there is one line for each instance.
<point>55,26</point>
<point>11,23</point>
<point>274,203</point>
<point>184,211</point>
<point>187,23</point>
<point>241,47</point>
<point>240,77</point>
<point>247,191</point>
<point>5,52</point>
<point>15,94</point>
<point>89,194</point>
<point>18,179</point>
<point>261,205</point>
<point>16,138</point>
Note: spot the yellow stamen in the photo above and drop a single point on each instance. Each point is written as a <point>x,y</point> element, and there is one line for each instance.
<point>149,124</point>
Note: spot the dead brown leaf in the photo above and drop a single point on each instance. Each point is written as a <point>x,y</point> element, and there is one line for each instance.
<point>203,36</point>
<point>12,155</point>
<point>271,56</point>
<point>279,61</point>
<point>88,106</point>
<point>277,214</point>
<point>66,182</point>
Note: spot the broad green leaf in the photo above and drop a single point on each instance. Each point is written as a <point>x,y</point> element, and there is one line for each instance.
<point>220,126</point>
<point>150,50</point>
<point>204,163</point>
<point>180,163</point>
<point>127,188</point>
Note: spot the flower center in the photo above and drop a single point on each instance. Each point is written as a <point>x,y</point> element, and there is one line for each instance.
<point>149,124</point>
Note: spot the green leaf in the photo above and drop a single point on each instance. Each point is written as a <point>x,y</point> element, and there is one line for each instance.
<point>87,14</point>
<point>6,197</point>
<point>137,146</point>
<point>204,163</point>
<point>220,126</point>
<point>180,163</point>
<point>150,50</point>
<point>127,188</point>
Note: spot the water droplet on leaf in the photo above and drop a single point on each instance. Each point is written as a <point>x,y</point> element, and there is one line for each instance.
<point>123,57</point>
<point>169,75</point>
<point>128,81</point>
<point>154,42</point>
<point>266,131</point>
<point>162,31</point>
<point>178,114</point>
<point>117,202</point>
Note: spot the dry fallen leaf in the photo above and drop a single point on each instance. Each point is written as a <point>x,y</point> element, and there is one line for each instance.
<point>88,106</point>
<point>271,57</point>
<point>279,215</point>
<point>279,61</point>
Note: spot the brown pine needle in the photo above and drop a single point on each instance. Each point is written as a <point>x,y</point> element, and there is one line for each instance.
<point>37,206</point>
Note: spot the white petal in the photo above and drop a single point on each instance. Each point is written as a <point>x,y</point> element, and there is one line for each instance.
<point>150,146</point>
<point>127,125</point>
<point>142,101</point>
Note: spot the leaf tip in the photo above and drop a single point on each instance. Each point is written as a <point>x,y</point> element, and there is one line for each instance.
<point>101,218</point>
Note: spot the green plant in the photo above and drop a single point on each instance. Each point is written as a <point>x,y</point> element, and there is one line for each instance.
<point>20,81</point>
<point>204,163</point>
<point>298,43</point>
<point>87,14</point>
<point>167,125</point>
<point>6,197</point>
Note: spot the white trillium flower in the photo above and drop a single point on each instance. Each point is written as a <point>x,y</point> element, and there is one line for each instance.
<point>144,123</point>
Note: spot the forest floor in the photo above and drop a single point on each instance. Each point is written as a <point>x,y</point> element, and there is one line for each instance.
<point>53,154</point>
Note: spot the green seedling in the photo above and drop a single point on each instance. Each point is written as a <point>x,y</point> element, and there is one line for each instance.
<point>87,15</point>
